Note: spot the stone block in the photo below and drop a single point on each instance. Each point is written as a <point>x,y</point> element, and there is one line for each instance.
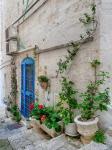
<point>94,146</point>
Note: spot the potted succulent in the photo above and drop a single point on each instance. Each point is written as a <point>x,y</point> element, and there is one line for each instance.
<point>66,106</point>
<point>93,100</point>
<point>47,119</point>
<point>44,81</point>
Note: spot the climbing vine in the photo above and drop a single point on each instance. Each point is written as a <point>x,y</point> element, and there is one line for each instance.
<point>86,19</point>
<point>13,92</point>
<point>63,64</point>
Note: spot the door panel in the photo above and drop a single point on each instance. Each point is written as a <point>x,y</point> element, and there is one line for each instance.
<point>27,86</point>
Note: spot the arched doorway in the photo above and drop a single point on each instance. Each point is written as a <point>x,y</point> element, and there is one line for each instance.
<point>27,85</point>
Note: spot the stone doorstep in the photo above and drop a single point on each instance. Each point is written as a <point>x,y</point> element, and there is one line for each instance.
<point>25,139</point>
<point>57,143</point>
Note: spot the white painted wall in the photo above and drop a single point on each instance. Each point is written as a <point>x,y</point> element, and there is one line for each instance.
<point>4,59</point>
<point>105,52</point>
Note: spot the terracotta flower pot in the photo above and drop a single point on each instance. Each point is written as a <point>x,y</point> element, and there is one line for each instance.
<point>71,130</point>
<point>44,85</point>
<point>87,129</point>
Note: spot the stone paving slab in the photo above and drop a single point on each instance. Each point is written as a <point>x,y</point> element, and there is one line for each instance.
<point>58,143</point>
<point>4,145</point>
<point>94,146</point>
<point>26,140</point>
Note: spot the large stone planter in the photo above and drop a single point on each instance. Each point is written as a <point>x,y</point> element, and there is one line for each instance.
<point>71,130</point>
<point>51,132</point>
<point>87,129</point>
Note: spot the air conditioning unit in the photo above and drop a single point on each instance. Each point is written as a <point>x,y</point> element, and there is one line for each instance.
<point>11,47</point>
<point>11,33</point>
<point>11,40</point>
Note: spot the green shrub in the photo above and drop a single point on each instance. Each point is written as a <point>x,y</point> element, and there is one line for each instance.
<point>16,114</point>
<point>43,78</point>
<point>67,99</point>
<point>46,115</point>
<point>99,137</point>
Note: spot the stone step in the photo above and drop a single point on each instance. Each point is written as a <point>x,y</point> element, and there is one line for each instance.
<point>58,143</point>
<point>5,133</point>
<point>29,140</point>
<point>94,146</point>
<point>25,140</point>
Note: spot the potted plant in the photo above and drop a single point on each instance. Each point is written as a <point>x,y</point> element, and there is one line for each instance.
<point>47,119</point>
<point>44,81</point>
<point>93,100</point>
<point>66,106</point>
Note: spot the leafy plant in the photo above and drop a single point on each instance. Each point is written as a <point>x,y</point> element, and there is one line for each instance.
<point>46,115</point>
<point>63,64</point>
<point>16,114</point>
<point>89,18</point>
<point>95,63</point>
<point>66,115</point>
<point>68,101</point>
<point>99,137</point>
<point>43,78</point>
<point>52,120</point>
<point>93,99</point>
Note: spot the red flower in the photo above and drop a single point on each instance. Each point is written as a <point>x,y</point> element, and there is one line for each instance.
<point>31,107</point>
<point>43,118</point>
<point>40,106</point>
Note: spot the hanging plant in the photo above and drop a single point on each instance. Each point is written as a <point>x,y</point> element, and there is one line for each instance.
<point>44,81</point>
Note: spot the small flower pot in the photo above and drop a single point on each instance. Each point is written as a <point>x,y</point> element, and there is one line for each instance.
<point>87,129</point>
<point>44,85</point>
<point>71,130</point>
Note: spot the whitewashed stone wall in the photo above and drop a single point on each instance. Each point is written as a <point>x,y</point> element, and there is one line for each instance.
<point>105,52</point>
<point>4,60</point>
<point>55,23</point>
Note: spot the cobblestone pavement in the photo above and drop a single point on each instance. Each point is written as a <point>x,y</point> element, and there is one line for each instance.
<point>24,139</point>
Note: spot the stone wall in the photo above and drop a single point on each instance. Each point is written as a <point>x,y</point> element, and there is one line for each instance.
<point>105,52</point>
<point>54,23</point>
<point>4,59</point>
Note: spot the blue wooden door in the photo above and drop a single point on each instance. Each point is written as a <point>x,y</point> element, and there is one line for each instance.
<point>27,85</point>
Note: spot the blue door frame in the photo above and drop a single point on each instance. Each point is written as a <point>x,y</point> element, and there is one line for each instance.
<point>27,85</point>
